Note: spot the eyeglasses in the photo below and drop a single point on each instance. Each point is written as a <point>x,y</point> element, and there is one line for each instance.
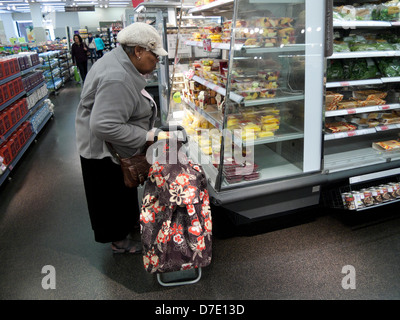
<point>157,56</point>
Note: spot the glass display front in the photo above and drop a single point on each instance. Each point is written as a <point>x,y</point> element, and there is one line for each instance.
<point>252,101</point>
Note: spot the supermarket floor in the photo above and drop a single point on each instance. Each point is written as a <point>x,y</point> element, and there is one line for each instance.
<point>44,221</point>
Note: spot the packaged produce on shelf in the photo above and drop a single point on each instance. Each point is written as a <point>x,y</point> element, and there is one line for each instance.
<point>254,80</point>
<point>257,31</point>
<point>340,46</point>
<point>387,11</point>
<point>265,31</point>
<point>211,31</point>
<point>389,67</point>
<point>352,69</point>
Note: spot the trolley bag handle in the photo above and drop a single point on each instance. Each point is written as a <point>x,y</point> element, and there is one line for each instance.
<point>171,128</point>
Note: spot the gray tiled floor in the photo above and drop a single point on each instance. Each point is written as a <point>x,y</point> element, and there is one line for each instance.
<point>44,221</point>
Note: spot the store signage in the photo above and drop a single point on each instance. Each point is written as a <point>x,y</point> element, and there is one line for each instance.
<point>135,3</point>
<point>78,8</point>
<point>189,74</point>
<point>207,45</point>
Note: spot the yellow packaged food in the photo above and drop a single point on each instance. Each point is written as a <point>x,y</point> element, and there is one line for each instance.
<point>232,122</point>
<point>252,126</point>
<point>270,126</point>
<point>264,134</point>
<point>248,135</point>
<point>269,119</point>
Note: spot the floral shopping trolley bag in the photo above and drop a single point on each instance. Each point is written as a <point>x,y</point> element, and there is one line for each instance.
<point>175,218</point>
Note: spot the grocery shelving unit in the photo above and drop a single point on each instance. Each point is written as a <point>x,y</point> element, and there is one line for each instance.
<point>52,71</point>
<point>349,156</point>
<point>31,103</point>
<point>65,65</point>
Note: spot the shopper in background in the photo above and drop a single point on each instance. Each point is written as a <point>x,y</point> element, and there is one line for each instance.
<point>79,52</point>
<point>116,108</point>
<point>99,46</point>
<point>92,47</point>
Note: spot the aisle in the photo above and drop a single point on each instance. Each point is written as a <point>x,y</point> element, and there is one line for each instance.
<point>44,221</point>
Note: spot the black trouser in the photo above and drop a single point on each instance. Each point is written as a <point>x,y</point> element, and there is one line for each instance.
<point>113,208</point>
<point>82,66</point>
<point>99,53</point>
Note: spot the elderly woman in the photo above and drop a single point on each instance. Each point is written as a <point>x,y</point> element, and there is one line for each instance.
<point>115,108</point>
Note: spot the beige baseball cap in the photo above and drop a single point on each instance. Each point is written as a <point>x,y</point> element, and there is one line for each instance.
<point>143,35</point>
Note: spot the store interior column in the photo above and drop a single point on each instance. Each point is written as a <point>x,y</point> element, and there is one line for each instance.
<point>36,15</point>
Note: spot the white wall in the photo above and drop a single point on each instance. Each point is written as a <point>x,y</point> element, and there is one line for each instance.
<point>10,27</point>
<point>75,20</point>
<point>63,19</point>
<point>91,19</point>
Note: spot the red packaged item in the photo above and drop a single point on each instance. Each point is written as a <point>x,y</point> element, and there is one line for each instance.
<point>20,108</point>
<point>17,89</point>
<point>2,125</point>
<point>6,92</point>
<point>21,136</point>
<point>27,129</point>
<point>16,65</point>
<point>1,70</point>
<point>20,84</point>
<point>24,106</point>
<point>12,147</point>
<point>12,66</point>
<point>13,115</point>
<point>17,111</point>
<point>2,100</point>
<point>11,90</point>
<point>6,68</point>
<point>5,154</point>
<point>16,142</point>
<point>7,120</point>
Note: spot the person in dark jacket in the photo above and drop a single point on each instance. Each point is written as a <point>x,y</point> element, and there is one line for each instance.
<point>79,52</point>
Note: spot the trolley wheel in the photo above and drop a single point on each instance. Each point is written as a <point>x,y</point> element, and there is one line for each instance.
<point>179,278</point>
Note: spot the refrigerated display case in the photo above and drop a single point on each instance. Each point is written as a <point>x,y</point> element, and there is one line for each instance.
<point>252,105</point>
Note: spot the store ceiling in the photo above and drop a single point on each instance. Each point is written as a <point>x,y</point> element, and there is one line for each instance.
<point>59,5</point>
